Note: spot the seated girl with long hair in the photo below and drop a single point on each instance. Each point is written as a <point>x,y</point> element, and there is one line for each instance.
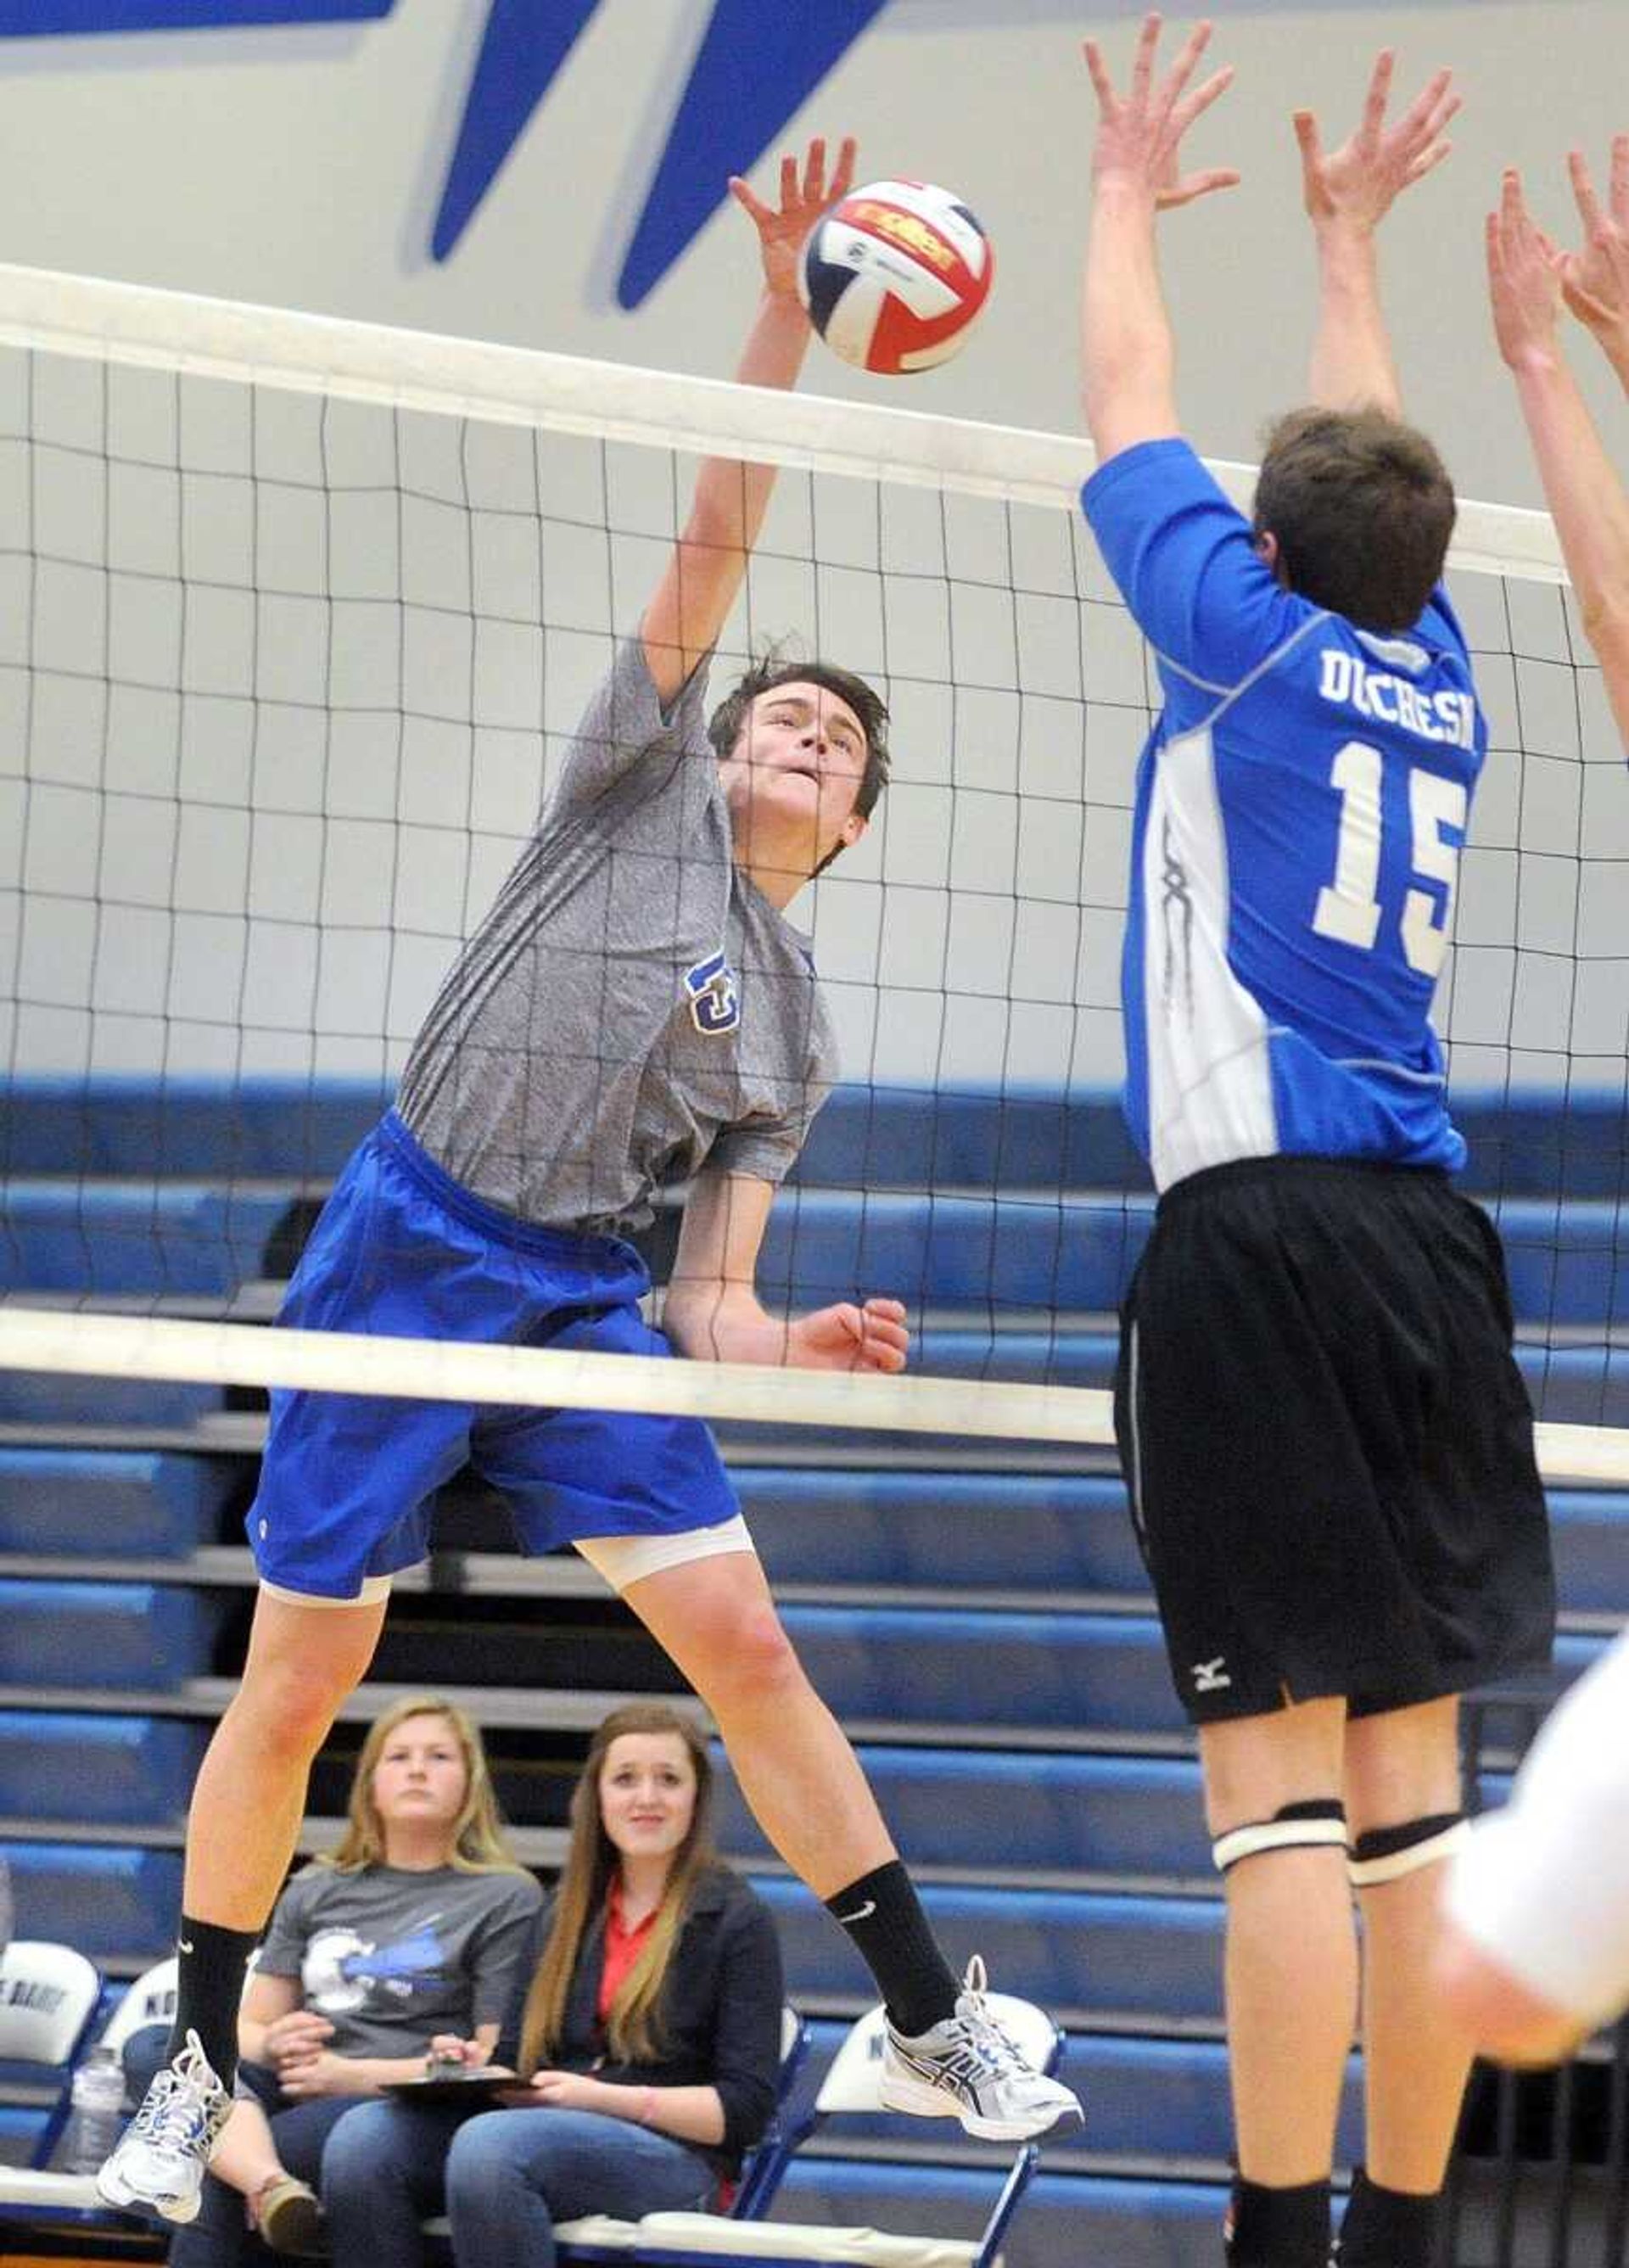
<point>421,1923</point>
<point>650,2037</point>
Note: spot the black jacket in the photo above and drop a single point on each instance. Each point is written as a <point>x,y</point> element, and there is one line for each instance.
<point>717,2022</point>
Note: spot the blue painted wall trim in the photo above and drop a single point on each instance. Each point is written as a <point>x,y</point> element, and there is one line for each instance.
<point>43,19</point>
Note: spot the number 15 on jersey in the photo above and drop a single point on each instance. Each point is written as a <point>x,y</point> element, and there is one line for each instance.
<point>1349,908</point>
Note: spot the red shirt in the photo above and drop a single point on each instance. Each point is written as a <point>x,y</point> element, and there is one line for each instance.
<point>623,1946</point>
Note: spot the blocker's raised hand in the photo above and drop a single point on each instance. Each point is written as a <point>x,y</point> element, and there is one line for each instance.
<point>1360,182</point>
<point>1140,134</point>
<point>1596,279</point>
<point>1524,278</point>
<point>782,229</point>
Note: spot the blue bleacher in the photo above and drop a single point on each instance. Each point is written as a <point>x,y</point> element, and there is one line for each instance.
<point>1021,1531</point>
<point>950,1138</point>
<point>138,1236</point>
<point>981,1621</point>
<point>104,1501</point>
<point>52,1401</point>
<point>105,1770</point>
<point>112,1636</point>
<point>116,1902</point>
<point>1123,1815</point>
<point>1143,1957</point>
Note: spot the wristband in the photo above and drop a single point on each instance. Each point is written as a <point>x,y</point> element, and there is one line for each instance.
<point>647,2104</point>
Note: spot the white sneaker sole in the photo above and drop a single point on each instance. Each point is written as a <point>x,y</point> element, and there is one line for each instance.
<point>898,2090</point>
<point>115,2190</point>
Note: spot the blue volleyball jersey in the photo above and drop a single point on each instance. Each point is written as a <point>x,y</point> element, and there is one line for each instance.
<point>1301,803</point>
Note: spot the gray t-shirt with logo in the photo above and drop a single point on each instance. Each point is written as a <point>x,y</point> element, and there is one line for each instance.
<point>391,1956</point>
<point>632,1007</point>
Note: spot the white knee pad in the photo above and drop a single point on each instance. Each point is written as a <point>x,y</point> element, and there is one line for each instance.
<point>1293,1827</point>
<point>1385,1854</point>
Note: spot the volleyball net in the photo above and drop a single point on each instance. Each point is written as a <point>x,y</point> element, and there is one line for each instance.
<point>298,619</point>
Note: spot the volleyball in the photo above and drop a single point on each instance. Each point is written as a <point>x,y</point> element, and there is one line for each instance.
<point>894,275</point>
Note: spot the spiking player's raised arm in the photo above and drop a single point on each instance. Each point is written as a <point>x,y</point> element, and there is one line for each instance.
<point>1526,279</point>
<point>694,598</point>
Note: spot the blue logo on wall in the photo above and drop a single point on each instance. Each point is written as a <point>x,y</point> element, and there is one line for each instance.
<point>756,65</point>
<point>758,62</point>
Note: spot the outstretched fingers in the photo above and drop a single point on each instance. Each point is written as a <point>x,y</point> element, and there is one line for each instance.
<point>843,179</point>
<point>1596,278</point>
<point>1200,185</point>
<point>1431,109</point>
<point>1142,66</point>
<point>1620,179</point>
<point>1524,273</point>
<point>1310,138</point>
<point>804,192</point>
<point>1182,69</point>
<point>1200,100</point>
<point>1139,134</point>
<point>751,202</point>
<point>1374,121</point>
<point>1584,193</point>
<point>814,190</point>
<point>1426,162</point>
<point>1103,84</point>
<point>1512,212</point>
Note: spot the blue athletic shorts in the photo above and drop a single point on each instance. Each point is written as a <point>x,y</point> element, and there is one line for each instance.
<point>347,1479</point>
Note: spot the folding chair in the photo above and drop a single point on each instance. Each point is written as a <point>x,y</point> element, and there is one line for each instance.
<point>49,1995</point>
<point>850,2089</point>
<point>149,2001</point>
<point>757,2168</point>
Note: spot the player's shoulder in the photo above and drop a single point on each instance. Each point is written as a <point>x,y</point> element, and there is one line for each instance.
<point>1147,471</point>
<point>627,708</point>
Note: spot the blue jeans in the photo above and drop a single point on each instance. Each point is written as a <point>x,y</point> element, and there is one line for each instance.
<point>506,2179</point>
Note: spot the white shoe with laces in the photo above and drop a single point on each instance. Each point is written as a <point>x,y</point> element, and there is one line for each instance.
<point>164,2152</point>
<point>968,2069</point>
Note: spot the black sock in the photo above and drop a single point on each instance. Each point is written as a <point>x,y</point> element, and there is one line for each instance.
<point>883,1917</point>
<point>1279,2228</point>
<point>1388,2229</point>
<point>212,1963</point>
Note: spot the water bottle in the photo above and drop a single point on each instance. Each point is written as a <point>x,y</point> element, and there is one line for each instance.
<point>98,2116</point>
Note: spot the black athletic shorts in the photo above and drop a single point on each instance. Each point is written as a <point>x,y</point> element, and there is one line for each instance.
<point>1327,1442</point>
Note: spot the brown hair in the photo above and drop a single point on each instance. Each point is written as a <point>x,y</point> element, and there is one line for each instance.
<point>1362,508</point>
<point>773,668</point>
<point>476,1836</point>
<point>591,1861</point>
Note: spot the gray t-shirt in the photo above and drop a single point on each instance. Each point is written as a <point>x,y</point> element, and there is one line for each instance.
<point>632,1007</point>
<point>392,1956</point>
